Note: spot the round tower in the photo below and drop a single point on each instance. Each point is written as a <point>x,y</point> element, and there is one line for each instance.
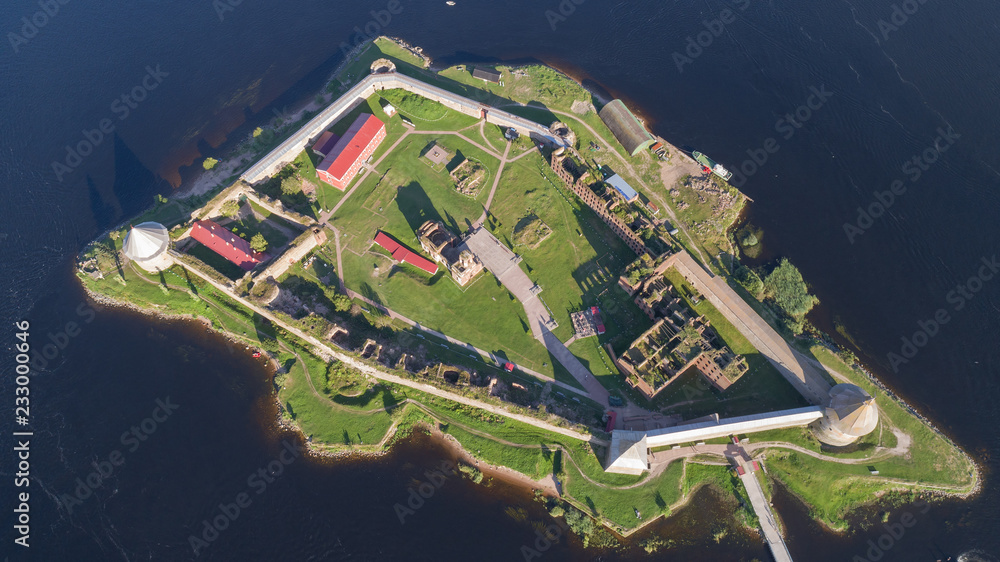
<point>850,414</point>
<point>146,245</point>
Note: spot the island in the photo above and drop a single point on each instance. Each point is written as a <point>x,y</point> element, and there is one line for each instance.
<point>498,257</point>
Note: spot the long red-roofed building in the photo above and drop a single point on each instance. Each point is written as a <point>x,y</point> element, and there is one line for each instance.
<point>226,244</point>
<point>401,253</point>
<point>344,160</point>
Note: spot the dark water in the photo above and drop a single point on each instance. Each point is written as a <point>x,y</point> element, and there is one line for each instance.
<point>216,80</point>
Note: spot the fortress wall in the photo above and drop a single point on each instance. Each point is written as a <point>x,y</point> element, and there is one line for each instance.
<point>371,84</point>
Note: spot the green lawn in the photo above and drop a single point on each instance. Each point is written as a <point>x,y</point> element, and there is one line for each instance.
<point>578,264</point>
<point>832,490</point>
<point>335,419</point>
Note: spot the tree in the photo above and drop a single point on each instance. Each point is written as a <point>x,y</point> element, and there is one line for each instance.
<point>258,243</point>
<point>209,163</point>
<point>341,303</point>
<point>230,208</point>
<point>160,200</point>
<point>788,290</point>
<point>291,185</point>
<point>750,281</point>
<point>257,132</point>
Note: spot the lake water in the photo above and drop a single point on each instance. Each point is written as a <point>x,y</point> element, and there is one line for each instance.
<point>207,76</point>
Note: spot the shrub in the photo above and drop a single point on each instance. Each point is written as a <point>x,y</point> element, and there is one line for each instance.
<point>258,243</point>
<point>291,185</point>
<point>750,281</point>
<point>789,292</point>
<point>209,163</point>
<point>230,208</point>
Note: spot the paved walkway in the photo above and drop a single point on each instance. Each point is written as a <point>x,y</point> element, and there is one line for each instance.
<point>503,263</point>
<point>767,522</point>
<point>802,374</point>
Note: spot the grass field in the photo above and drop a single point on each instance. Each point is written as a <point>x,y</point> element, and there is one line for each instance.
<point>832,490</point>
<point>578,264</point>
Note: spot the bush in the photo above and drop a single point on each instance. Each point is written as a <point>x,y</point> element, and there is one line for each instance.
<point>789,292</point>
<point>472,473</point>
<point>750,281</point>
<point>230,208</point>
<point>291,185</point>
<point>257,132</point>
<point>258,243</point>
<point>209,163</point>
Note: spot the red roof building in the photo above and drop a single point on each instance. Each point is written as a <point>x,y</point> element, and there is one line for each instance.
<point>598,323</point>
<point>226,244</point>
<point>344,160</point>
<point>401,253</point>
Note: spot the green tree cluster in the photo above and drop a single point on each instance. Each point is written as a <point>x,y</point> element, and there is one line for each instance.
<point>230,208</point>
<point>258,243</point>
<point>291,185</point>
<point>750,281</point>
<point>786,288</point>
<point>209,163</point>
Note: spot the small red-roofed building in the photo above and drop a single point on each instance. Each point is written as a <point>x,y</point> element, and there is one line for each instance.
<point>226,244</point>
<point>403,254</point>
<point>344,160</point>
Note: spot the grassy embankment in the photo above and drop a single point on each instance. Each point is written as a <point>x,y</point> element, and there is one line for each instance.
<point>831,490</point>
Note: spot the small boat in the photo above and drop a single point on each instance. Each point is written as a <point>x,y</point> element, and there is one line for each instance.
<point>450,3</point>
<point>712,166</point>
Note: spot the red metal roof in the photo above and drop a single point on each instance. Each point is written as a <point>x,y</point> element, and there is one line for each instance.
<point>612,416</point>
<point>226,244</point>
<point>325,143</point>
<point>350,146</point>
<point>401,253</point>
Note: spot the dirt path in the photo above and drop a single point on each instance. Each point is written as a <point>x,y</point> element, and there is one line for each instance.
<point>496,182</point>
<point>329,352</point>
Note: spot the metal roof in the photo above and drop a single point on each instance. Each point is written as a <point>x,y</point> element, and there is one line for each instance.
<point>621,186</point>
<point>727,426</point>
<point>626,127</point>
<point>486,74</point>
<point>350,146</point>
<point>226,244</point>
<point>401,253</point>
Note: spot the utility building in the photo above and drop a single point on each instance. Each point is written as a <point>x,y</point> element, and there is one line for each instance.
<point>344,160</point>
<point>626,127</point>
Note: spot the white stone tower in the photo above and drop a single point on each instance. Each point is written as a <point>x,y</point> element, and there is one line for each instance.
<point>147,245</point>
<point>850,414</point>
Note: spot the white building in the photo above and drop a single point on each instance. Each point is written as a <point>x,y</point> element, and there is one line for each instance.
<point>147,244</point>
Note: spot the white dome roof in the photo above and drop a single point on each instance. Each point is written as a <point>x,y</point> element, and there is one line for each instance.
<point>146,241</point>
<point>852,410</point>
